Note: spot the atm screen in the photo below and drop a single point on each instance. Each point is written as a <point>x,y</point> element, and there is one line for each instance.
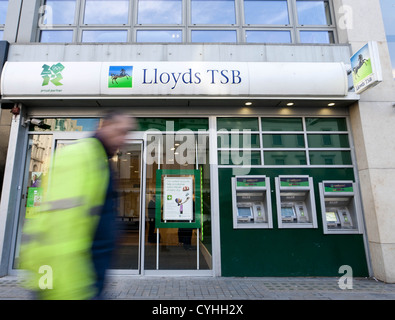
<point>331,216</point>
<point>287,212</point>
<point>244,212</point>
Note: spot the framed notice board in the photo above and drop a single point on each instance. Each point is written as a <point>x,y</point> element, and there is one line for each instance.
<point>178,199</point>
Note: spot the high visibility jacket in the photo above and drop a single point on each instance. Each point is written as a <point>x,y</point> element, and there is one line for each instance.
<point>57,248</point>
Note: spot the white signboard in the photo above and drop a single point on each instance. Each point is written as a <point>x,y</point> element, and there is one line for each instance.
<point>366,67</point>
<point>171,79</point>
<point>178,198</point>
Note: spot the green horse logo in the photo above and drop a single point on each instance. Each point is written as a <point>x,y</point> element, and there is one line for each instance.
<point>52,73</point>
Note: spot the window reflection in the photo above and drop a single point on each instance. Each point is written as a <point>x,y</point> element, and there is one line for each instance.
<point>3,10</point>
<point>159,12</point>
<point>59,12</point>
<point>388,11</point>
<point>213,12</point>
<point>106,12</point>
<point>316,37</point>
<point>213,36</point>
<point>159,36</point>
<point>104,36</point>
<point>268,36</point>
<point>313,12</point>
<point>53,36</point>
<point>266,12</point>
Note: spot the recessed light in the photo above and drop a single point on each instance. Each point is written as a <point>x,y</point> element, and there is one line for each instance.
<point>331,104</point>
<point>290,104</point>
<point>248,103</point>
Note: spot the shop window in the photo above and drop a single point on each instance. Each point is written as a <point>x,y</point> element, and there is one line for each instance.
<point>225,36</point>
<point>285,158</point>
<point>241,157</point>
<point>106,12</point>
<point>172,124</point>
<point>326,124</point>
<point>253,36</point>
<point>213,12</point>
<point>159,36</point>
<point>159,12</point>
<point>330,157</point>
<point>328,140</point>
<point>282,124</point>
<point>65,124</point>
<point>283,141</point>
<point>238,140</point>
<point>237,124</point>
<point>266,12</point>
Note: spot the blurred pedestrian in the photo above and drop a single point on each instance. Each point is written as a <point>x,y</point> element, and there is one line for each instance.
<point>68,246</point>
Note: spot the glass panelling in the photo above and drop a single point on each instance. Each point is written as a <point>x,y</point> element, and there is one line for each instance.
<point>388,11</point>
<point>330,158</point>
<point>254,36</point>
<point>238,141</point>
<point>106,12</point>
<point>224,36</point>
<point>266,12</point>
<point>104,36</point>
<point>237,124</point>
<point>58,12</point>
<point>283,141</point>
<point>282,124</point>
<point>159,12</point>
<point>326,124</point>
<point>239,157</point>
<point>328,141</point>
<point>3,10</point>
<point>317,37</point>
<point>53,36</point>
<point>213,12</point>
<point>284,158</point>
<point>159,36</point>
<point>313,12</point>
<point>172,124</point>
<point>64,124</point>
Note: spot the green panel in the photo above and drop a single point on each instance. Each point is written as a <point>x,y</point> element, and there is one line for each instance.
<point>282,124</point>
<point>242,157</point>
<point>237,123</point>
<point>286,252</point>
<point>326,124</point>
<point>328,141</point>
<point>330,158</point>
<point>238,141</point>
<point>283,158</point>
<point>172,124</point>
<point>283,140</point>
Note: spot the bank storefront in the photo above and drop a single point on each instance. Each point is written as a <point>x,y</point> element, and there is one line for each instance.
<point>236,169</point>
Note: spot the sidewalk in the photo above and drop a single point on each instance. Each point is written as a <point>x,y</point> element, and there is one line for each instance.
<point>208,288</point>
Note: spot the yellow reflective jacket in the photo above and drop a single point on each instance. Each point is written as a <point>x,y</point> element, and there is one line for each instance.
<point>57,248</point>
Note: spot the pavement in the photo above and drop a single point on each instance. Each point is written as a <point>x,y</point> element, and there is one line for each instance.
<point>224,288</point>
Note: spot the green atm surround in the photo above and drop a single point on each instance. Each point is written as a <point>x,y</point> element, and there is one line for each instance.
<point>287,252</point>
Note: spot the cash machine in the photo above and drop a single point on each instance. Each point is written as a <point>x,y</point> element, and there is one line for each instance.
<point>251,202</point>
<point>295,202</point>
<point>340,207</point>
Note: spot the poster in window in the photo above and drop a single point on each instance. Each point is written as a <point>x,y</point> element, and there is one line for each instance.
<point>178,198</point>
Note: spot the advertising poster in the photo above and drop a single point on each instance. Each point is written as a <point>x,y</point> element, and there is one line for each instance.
<point>178,198</point>
<point>366,69</point>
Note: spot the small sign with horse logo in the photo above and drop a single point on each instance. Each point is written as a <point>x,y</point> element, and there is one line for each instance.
<point>120,77</point>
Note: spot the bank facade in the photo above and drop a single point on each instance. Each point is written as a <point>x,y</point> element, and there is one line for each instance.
<point>251,158</point>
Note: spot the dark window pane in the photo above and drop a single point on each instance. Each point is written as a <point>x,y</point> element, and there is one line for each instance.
<point>52,36</point>
<point>268,36</point>
<point>237,123</point>
<point>238,141</point>
<point>283,141</point>
<point>330,158</point>
<point>106,12</point>
<point>278,158</point>
<point>266,12</point>
<point>159,12</point>
<point>328,141</point>
<point>213,12</point>
<point>172,124</point>
<point>241,157</point>
<point>326,124</point>
<point>282,124</point>
<point>159,36</point>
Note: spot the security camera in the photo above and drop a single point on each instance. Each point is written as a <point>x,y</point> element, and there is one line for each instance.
<point>36,122</point>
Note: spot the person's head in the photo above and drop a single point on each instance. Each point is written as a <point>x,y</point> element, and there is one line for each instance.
<point>114,129</point>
